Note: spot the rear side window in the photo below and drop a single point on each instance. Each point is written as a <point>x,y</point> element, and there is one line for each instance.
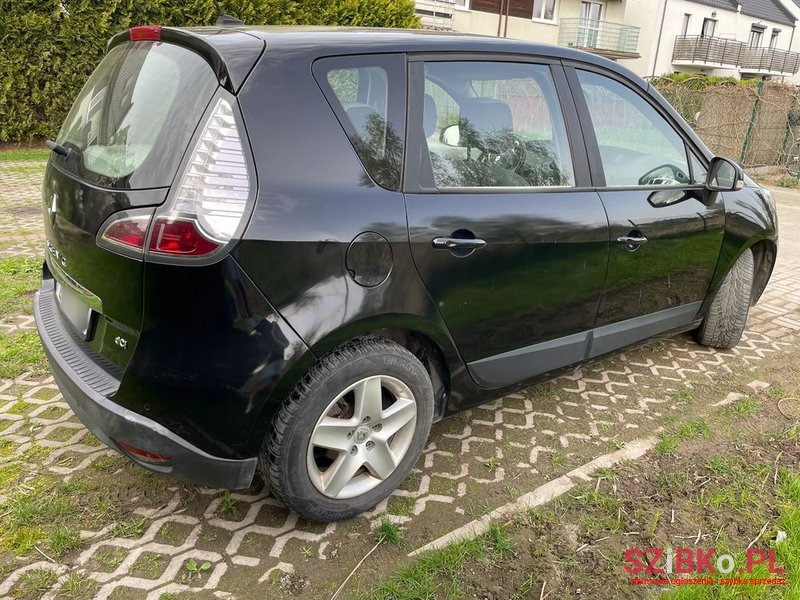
<point>494,124</point>
<point>368,96</point>
<point>132,121</point>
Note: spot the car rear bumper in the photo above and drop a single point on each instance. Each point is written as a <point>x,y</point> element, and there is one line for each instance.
<point>86,386</point>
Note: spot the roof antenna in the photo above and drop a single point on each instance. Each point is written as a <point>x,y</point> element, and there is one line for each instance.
<point>223,19</point>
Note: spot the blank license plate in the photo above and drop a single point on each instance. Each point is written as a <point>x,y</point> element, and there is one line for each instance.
<point>74,309</point>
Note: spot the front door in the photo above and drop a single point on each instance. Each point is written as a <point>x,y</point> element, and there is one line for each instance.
<point>666,229</point>
<point>511,252</point>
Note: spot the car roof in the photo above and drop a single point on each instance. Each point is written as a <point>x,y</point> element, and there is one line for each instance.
<point>331,41</point>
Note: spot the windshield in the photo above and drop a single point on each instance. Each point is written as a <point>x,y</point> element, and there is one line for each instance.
<point>134,118</point>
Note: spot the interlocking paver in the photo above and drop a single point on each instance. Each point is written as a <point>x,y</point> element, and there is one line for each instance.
<point>468,465</point>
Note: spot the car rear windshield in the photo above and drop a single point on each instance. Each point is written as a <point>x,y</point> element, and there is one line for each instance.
<point>134,118</point>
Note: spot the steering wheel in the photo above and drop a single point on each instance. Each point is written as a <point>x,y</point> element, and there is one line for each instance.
<point>512,157</point>
<point>667,174</point>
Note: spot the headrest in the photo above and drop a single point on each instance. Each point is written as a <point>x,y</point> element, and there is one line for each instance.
<point>484,123</point>
<point>359,115</point>
<point>429,116</point>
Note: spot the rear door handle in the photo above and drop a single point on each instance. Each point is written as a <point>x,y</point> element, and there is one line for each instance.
<point>449,243</point>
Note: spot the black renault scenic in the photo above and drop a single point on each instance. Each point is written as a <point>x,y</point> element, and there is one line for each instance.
<point>294,249</point>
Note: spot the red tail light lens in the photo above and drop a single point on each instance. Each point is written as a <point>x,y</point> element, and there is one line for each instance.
<point>144,455</point>
<point>146,32</point>
<point>128,232</point>
<point>179,237</point>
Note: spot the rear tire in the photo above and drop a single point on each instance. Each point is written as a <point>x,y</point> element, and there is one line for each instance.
<point>350,431</point>
<point>724,322</point>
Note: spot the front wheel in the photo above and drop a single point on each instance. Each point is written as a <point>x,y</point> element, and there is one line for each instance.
<point>724,322</point>
<point>350,431</point>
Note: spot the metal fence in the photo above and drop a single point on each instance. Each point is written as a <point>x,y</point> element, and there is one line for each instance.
<point>756,125</point>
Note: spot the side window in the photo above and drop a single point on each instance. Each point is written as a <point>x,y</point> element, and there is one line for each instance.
<point>368,96</point>
<point>699,172</point>
<point>638,147</point>
<point>494,124</point>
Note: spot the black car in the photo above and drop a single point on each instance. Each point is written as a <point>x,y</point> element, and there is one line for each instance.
<point>297,248</point>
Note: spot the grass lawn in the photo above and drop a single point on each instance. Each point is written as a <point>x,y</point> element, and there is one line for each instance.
<point>721,480</point>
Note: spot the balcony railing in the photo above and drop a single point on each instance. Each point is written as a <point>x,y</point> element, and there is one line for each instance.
<point>614,40</point>
<point>708,50</point>
<point>770,60</point>
<point>719,52</point>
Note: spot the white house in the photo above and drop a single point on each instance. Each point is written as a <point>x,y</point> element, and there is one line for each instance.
<point>742,38</point>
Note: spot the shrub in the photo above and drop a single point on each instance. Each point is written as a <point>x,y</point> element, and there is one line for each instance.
<point>50,47</point>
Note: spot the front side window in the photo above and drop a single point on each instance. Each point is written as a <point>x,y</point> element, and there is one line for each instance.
<point>369,96</point>
<point>494,124</point>
<point>638,147</point>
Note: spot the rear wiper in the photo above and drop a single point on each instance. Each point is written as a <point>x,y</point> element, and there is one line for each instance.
<point>59,149</point>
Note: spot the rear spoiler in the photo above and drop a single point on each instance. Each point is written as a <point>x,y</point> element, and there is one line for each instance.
<point>232,53</point>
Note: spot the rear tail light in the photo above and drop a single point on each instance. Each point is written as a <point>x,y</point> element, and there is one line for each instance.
<point>130,232</point>
<point>207,208</point>
<point>144,455</point>
<point>211,200</point>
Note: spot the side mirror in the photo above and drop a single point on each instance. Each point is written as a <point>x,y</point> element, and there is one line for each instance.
<point>724,175</point>
<point>450,136</point>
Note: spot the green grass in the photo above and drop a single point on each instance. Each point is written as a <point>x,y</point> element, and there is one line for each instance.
<point>77,587</point>
<point>19,279</point>
<point>743,407</point>
<point>34,583</point>
<point>437,574</point>
<point>400,506</point>
<point>227,508</point>
<point>20,352</point>
<point>787,555</point>
<point>666,446</point>
<point>62,539</point>
<point>388,532</point>
<point>693,428</point>
<point>30,154</point>
<point>788,181</point>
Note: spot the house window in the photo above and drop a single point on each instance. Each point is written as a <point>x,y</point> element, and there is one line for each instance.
<point>709,25</point>
<point>773,40</point>
<point>544,10</point>
<point>756,33</point>
<point>685,27</point>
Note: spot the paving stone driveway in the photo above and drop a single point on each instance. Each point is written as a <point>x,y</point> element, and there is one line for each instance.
<point>473,463</point>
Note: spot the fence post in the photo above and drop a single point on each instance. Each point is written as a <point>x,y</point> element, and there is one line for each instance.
<point>753,116</point>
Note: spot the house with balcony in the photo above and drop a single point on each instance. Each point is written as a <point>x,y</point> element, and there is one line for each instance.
<point>594,26</point>
<point>741,38</point>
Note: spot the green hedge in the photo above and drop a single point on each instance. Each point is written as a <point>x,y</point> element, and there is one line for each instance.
<point>48,48</point>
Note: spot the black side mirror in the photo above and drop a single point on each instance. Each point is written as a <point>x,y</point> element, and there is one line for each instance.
<point>724,175</point>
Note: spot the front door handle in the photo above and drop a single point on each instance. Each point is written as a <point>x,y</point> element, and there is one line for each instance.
<point>449,243</point>
<point>633,240</point>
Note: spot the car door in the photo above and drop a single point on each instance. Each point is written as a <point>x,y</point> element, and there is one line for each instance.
<point>505,232</point>
<point>666,229</point>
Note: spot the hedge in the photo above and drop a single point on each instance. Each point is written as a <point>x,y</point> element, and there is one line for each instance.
<point>48,48</point>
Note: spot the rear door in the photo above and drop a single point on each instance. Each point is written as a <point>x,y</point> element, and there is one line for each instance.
<point>508,238</point>
<point>125,137</point>
<point>666,228</point>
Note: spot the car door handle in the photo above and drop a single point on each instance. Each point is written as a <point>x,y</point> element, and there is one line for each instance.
<point>449,243</point>
<point>633,240</point>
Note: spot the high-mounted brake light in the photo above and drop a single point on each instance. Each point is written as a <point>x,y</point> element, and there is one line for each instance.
<point>212,197</point>
<point>146,32</point>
